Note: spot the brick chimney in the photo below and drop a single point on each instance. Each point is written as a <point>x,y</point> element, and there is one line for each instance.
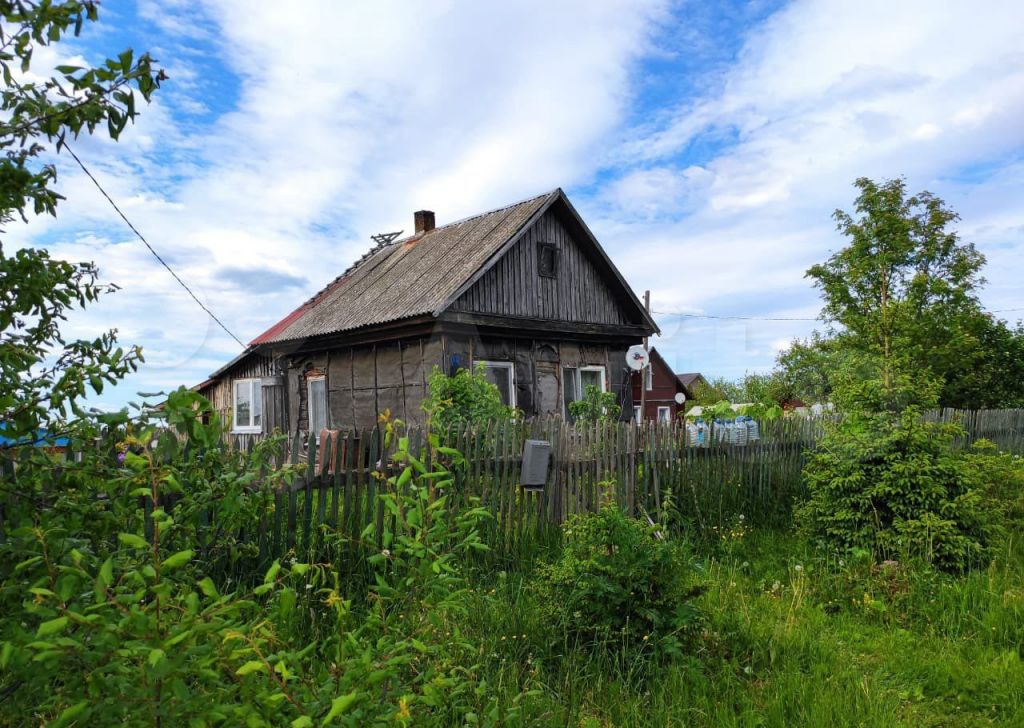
<point>424,221</point>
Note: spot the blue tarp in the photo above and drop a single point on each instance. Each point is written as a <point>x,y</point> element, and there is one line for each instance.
<point>41,439</point>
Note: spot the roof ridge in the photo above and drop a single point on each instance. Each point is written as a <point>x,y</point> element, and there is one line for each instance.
<point>485,214</point>
<point>376,248</point>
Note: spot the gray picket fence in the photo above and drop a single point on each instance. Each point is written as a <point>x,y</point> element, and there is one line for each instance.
<point>710,483</point>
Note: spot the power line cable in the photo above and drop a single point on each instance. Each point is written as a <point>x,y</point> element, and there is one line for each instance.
<point>771,318</point>
<point>150,247</point>
<point>732,318</point>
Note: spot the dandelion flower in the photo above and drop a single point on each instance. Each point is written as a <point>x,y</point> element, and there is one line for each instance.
<point>386,553</point>
<point>798,568</point>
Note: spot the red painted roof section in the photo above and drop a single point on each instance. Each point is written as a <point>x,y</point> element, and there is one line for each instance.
<point>271,333</point>
<point>279,326</point>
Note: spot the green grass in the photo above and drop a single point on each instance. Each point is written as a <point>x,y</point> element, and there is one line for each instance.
<point>790,639</point>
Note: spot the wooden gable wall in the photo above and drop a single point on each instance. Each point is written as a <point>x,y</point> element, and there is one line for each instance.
<point>581,293</point>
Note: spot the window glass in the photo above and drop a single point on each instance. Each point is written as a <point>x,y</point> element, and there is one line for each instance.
<point>317,405</point>
<point>501,375</point>
<point>648,378</point>
<point>257,404</point>
<point>664,414</point>
<point>591,377</point>
<point>243,403</point>
<point>247,405</point>
<point>636,413</point>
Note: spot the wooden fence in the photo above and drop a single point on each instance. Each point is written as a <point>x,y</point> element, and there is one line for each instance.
<point>712,481</point>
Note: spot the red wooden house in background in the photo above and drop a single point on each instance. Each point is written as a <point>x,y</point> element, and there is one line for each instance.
<point>662,386</point>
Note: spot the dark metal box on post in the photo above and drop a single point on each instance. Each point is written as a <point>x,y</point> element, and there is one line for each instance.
<point>536,457</point>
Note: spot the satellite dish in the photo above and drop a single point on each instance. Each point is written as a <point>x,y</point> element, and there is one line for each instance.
<point>680,397</point>
<point>637,357</point>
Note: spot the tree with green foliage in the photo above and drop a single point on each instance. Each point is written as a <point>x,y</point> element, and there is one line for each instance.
<point>465,397</point>
<point>903,295</point>
<point>619,583</point>
<point>886,480</point>
<point>596,406</point>
<point>43,376</point>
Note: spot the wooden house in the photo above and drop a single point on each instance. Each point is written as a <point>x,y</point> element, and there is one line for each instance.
<point>525,290</point>
<point>661,385</point>
<point>694,383</point>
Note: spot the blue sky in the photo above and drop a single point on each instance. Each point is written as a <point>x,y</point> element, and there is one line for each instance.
<point>706,144</point>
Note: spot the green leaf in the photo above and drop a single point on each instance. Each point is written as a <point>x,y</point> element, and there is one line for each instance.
<point>339,705</point>
<point>69,714</point>
<point>251,666</point>
<point>179,559</point>
<point>287,601</point>
<point>272,572</point>
<point>106,575</point>
<point>155,656</point>
<point>132,541</point>
<point>208,588</point>
<point>5,654</point>
<point>27,563</point>
<point>303,721</point>
<point>133,461</point>
<point>52,626</point>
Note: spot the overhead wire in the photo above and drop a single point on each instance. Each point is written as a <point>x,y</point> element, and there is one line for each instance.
<point>220,323</point>
<point>149,247</point>
<point>771,318</point>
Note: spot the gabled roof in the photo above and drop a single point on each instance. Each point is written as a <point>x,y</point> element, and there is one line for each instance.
<point>408,277</point>
<point>690,378</point>
<point>422,274</point>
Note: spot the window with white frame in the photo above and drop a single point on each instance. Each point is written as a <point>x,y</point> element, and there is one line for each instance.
<point>636,414</point>
<point>316,403</point>
<point>502,374</point>
<point>247,406</point>
<point>664,414</point>
<point>648,377</point>
<point>575,381</point>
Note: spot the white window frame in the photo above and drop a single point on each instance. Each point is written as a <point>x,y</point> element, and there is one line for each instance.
<point>577,383</point>
<point>637,416</point>
<point>668,414</point>
<point>255,395</point>
<point>511,367</point>
<point>604,377</point>
<point>648,377</point>
<point>309,404</point>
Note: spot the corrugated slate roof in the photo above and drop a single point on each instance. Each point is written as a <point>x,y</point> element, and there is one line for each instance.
<point>409,277</point>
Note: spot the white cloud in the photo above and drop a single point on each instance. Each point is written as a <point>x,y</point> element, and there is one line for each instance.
<point>346,117</point>
<point>822,93</point>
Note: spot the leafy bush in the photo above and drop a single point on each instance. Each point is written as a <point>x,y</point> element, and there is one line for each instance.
<point>618,579</point>
<point>126,619</point>
<point>898,486</point>
<point>466,396</point>
<point>595,406</point>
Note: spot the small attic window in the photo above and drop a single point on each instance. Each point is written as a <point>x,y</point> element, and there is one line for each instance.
<point>547,260</point>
